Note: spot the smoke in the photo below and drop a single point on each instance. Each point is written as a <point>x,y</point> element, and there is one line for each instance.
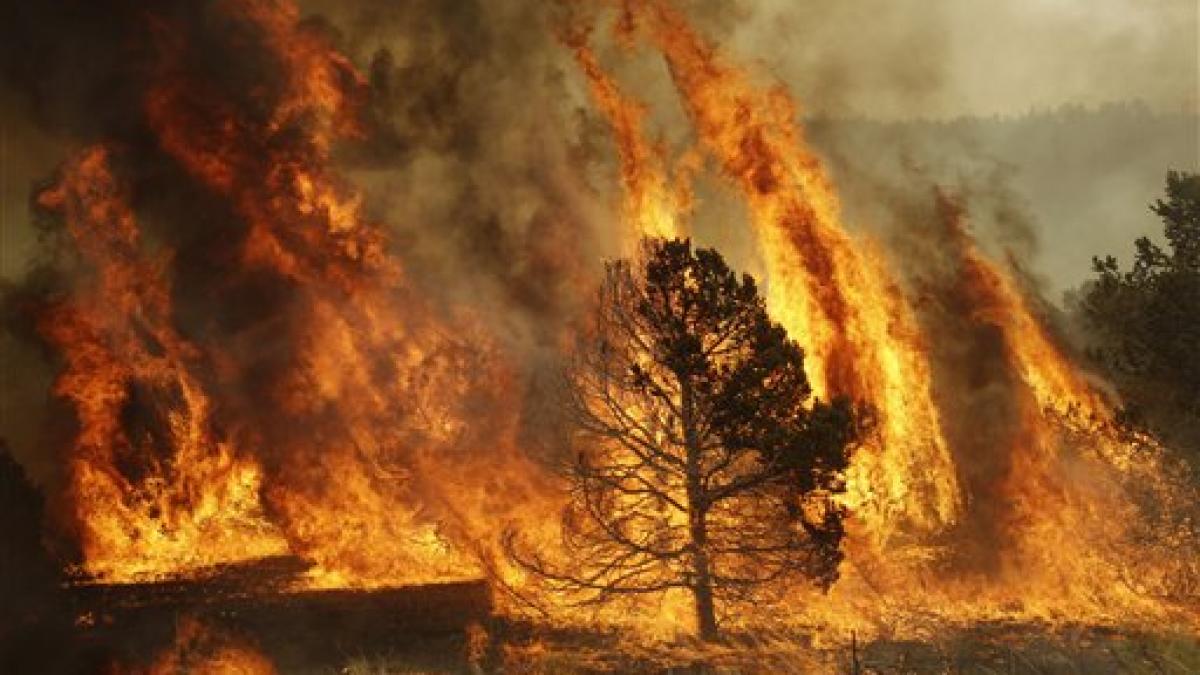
<point>485,161</point>
<point>485,164</point>
<point>478,157</point>
<point>979,394</point>
<point>1077,110</point>
<point>943,59</point>
<point>1053,188</point>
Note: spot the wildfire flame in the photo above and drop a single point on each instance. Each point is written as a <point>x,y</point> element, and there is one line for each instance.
<point>331,436</point>
<point>341,427</point>
<point>1064,505</point>
<point>836,293</point>
<point>195,501</point>
<point>652,206</point>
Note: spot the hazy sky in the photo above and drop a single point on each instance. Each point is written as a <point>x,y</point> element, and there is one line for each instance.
<point>900,58</point>
<point>877,58</point>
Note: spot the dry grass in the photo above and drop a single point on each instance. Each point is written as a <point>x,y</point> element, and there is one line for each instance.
<point>992,649</point>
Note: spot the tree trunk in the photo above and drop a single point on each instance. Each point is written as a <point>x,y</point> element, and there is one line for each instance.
<point>702,585</point>
<point>706,613</point>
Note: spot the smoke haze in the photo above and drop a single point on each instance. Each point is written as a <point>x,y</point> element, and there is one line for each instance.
<point>497,179</point>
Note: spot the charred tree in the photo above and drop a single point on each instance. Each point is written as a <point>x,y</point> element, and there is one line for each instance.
<point>703,461</point>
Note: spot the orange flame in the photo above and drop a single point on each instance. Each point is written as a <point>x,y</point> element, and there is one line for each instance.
<point>652,207</point>
<point>195,501</point>
<point>835,293</point>
<point>350,430</point>
<point>376,437</point>
<point>1066,505</point>
<point>374,381</point>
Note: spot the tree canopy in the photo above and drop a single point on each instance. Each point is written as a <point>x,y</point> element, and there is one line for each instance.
<point>703,462</point>
<point>1147,320</point>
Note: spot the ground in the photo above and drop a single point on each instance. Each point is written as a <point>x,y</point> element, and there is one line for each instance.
<point>451,628</point>
<point>998,648</point>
